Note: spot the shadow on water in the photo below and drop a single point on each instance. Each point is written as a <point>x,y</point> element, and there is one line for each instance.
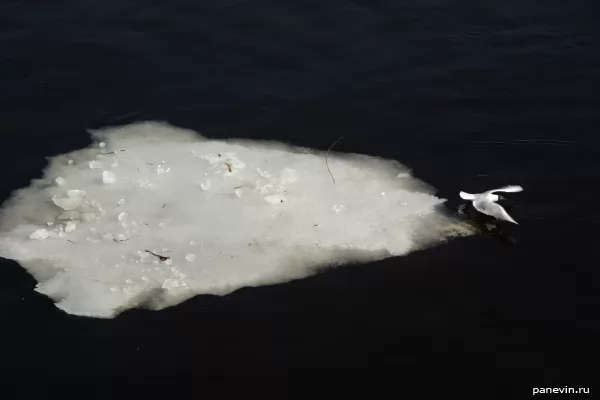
<point>487,225</point>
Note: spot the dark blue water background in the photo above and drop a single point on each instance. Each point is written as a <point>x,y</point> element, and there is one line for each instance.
<point>471,95</point>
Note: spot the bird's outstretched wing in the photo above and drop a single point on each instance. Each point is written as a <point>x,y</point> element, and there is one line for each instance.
<point>511,188</point>
<point>493,209</point>
<point>466,196</point>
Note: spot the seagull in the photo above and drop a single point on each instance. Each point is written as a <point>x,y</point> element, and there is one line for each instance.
<point>485,202</point>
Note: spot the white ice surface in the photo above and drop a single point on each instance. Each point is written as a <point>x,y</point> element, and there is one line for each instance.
<point>221,214</point>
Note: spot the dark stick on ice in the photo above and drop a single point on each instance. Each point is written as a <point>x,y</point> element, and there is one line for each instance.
<point>124,240</point>
<point>112,152</point>
<point>327,154</point>
<point>161,258</point>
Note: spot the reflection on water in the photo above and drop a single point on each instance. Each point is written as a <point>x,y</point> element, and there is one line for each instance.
<point>487,225</point>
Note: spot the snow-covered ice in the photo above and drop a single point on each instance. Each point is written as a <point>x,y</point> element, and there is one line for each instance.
<point>179,215</point>
<point>109,177</point>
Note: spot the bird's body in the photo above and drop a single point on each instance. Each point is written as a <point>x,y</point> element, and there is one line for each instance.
<point>486,202</point>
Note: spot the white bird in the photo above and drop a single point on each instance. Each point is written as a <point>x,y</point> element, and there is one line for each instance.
<point>485,202</point>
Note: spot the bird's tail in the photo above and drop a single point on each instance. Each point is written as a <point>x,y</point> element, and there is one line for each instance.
<point>467,196</point>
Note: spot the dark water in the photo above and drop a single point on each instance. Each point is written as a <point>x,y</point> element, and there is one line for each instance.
<point>471,95</point>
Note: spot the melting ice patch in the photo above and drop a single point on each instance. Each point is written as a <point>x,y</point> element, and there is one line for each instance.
<point>151,215</point>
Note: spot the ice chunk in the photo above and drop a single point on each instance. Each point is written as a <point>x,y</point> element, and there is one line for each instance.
<point>75,194</point>
<point>67,203</point>
<point>70,226</point>
<point>337,208</point>
<point>40,234</point>
<point>161,169</point>
<point>205,185</point>
<point>108,177</point>
<point>72,201</point>
<point>69,215</point>
<point>274,199</point>
<point>60,181</point>
<point>239,213</point>
<point>171,283</point>
<point>102,144</point>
